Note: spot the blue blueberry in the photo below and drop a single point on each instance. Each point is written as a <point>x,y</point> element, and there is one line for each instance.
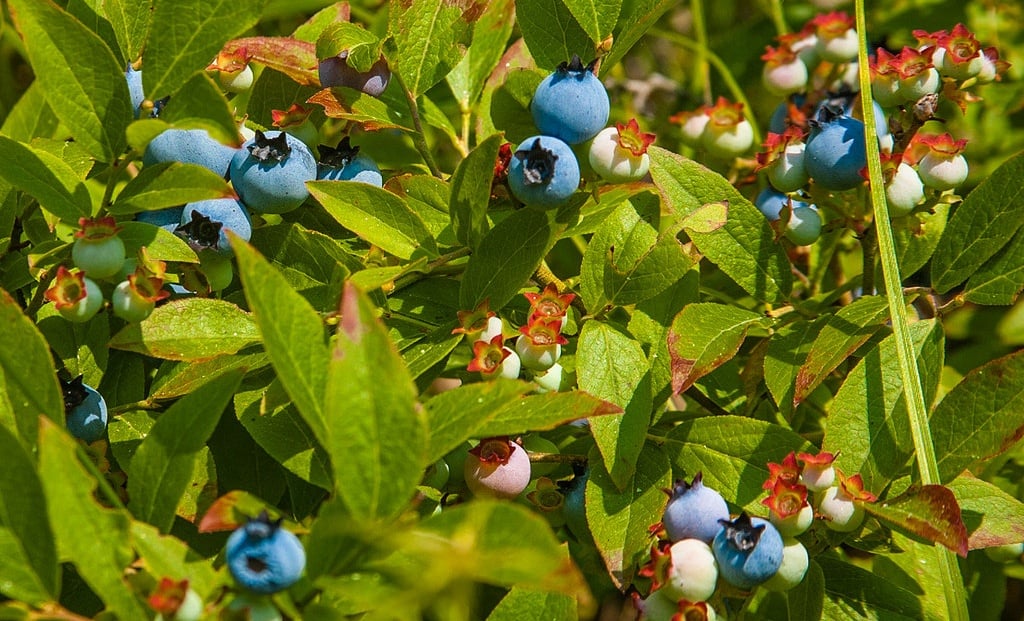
<point>263,557</point>
<point>748,551</point>
<point>543,171</point>
<point>85,410</point>
<point>694,511</point>
<point>770,202</point>
<point>571,104</point>
<point>836,152</point>
<point>192,146</point>
<point>270,172</point>
<point>167,219</point>
<point>204,224</point>
<point>346,163</point>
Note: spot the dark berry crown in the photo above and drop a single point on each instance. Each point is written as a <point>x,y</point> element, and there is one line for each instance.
<point>261,526</point>
<point>741,532</point>
<point>576,66</point>
<point>339,156</point>
<point>830,111</point>
<point>681,486</point>
<point>201,231</point>
<point>538,163</point>
<point>74,393</point>
<point>270,149</point>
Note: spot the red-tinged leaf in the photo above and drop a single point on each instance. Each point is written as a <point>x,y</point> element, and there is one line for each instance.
<point>292,57</point>
<point>992,517</point>
<point>928,511</point>
<point>351,105</point>
<point>705,336</point>
<point>232,510</point>
<point>845,331</point>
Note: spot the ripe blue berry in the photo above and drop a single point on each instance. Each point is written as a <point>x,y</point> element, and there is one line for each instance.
<point>346,163</point>
<point>835,152</point>
<point>204,224</point>
<point>694,511</point>
<point>543,172</point>
<point>335,71</point>
<point>85,411</point>
<point>270,172</point>
<point>263,557</point>
<point>748,551</point>
<point>192,146</point>
<point>571,104</point>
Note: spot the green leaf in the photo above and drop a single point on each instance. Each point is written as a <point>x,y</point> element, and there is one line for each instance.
<point>293,334</point>
<point>916,239</point>
<point>160,243</point>
<point>855,593</point>
<point>495,542</point>
<point>92,537</point>
<point>620,518</point>
<point>164,555</point>
<point>130,20</point>
<point>471,192</point>
<point>992,517</point>
<point>275,424</point>
<point>868,423</point>
<point>190,329</point>
<point>733,453</point>
<point>200,103</point>
<point>81,347</point>
<point>161,469</point>
<point>596,17</point>
<point>177,379</point>
<point>432,349</point>
<point>427,35</point>
<point>703,337</point>
<point>1000,279</point>
<point>787,349</point>
<point>635,18</point>
<point>90,98</point>
<point>376,215</point>
<point>490,34</point>
<point>928,511</point>
<point>31,382</point>
<point>28,556</point>
<point>363,46</point>
<point>628,261</point>
<point>189,34</point>
<point>508,255</point>
<point>848,329</point>
<point>30,117</point>
<point>611,365</point>
<point>543,412</point>
<point>275,90</point>
<point>745,247</point>
<point>650,323</point>
<point>983,224</point>
<point>916,568</point>
<point>45,178</point>
<point>370,112</point>
<point>376,436</point>
<point>981,417</point>
<point>552,33</point>
<point>505,105</point>
<point>523,603</point>
<point>454,415</point>
<point>313,263</point>
<point>807,598</point>
<point>169,184</point>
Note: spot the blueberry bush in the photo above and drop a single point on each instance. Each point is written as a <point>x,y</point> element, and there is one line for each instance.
<point>484,309</point>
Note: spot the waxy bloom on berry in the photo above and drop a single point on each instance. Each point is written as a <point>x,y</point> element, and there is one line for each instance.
<point>783,157</point>
<point>817,472</point>
<point>497,468</point>
<point>943,167</point>
<point>727,134</point>
<point>784,71</point>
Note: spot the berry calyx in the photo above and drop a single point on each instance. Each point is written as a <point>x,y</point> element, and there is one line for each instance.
<point>549,302</point>
<point>943,167</point>
<point>474,321</point>
<point>784,71</point>
<point>75,297</point>
<point>346,163</point>
<point>788,508</point>
<point>839,505</point>
<point>175,601</point>
<point>134,299</point>
<point>728,133</point>
<point>836,38</point>
<point>817,473</point>
<point>540,344</point>
<point>266,149</point>
<point>783,157</point>
<point>493,359</point>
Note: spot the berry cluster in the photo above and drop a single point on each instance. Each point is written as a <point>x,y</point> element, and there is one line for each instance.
<point>816,147</point>
<point>721,130</point>
<point>571,107</point>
